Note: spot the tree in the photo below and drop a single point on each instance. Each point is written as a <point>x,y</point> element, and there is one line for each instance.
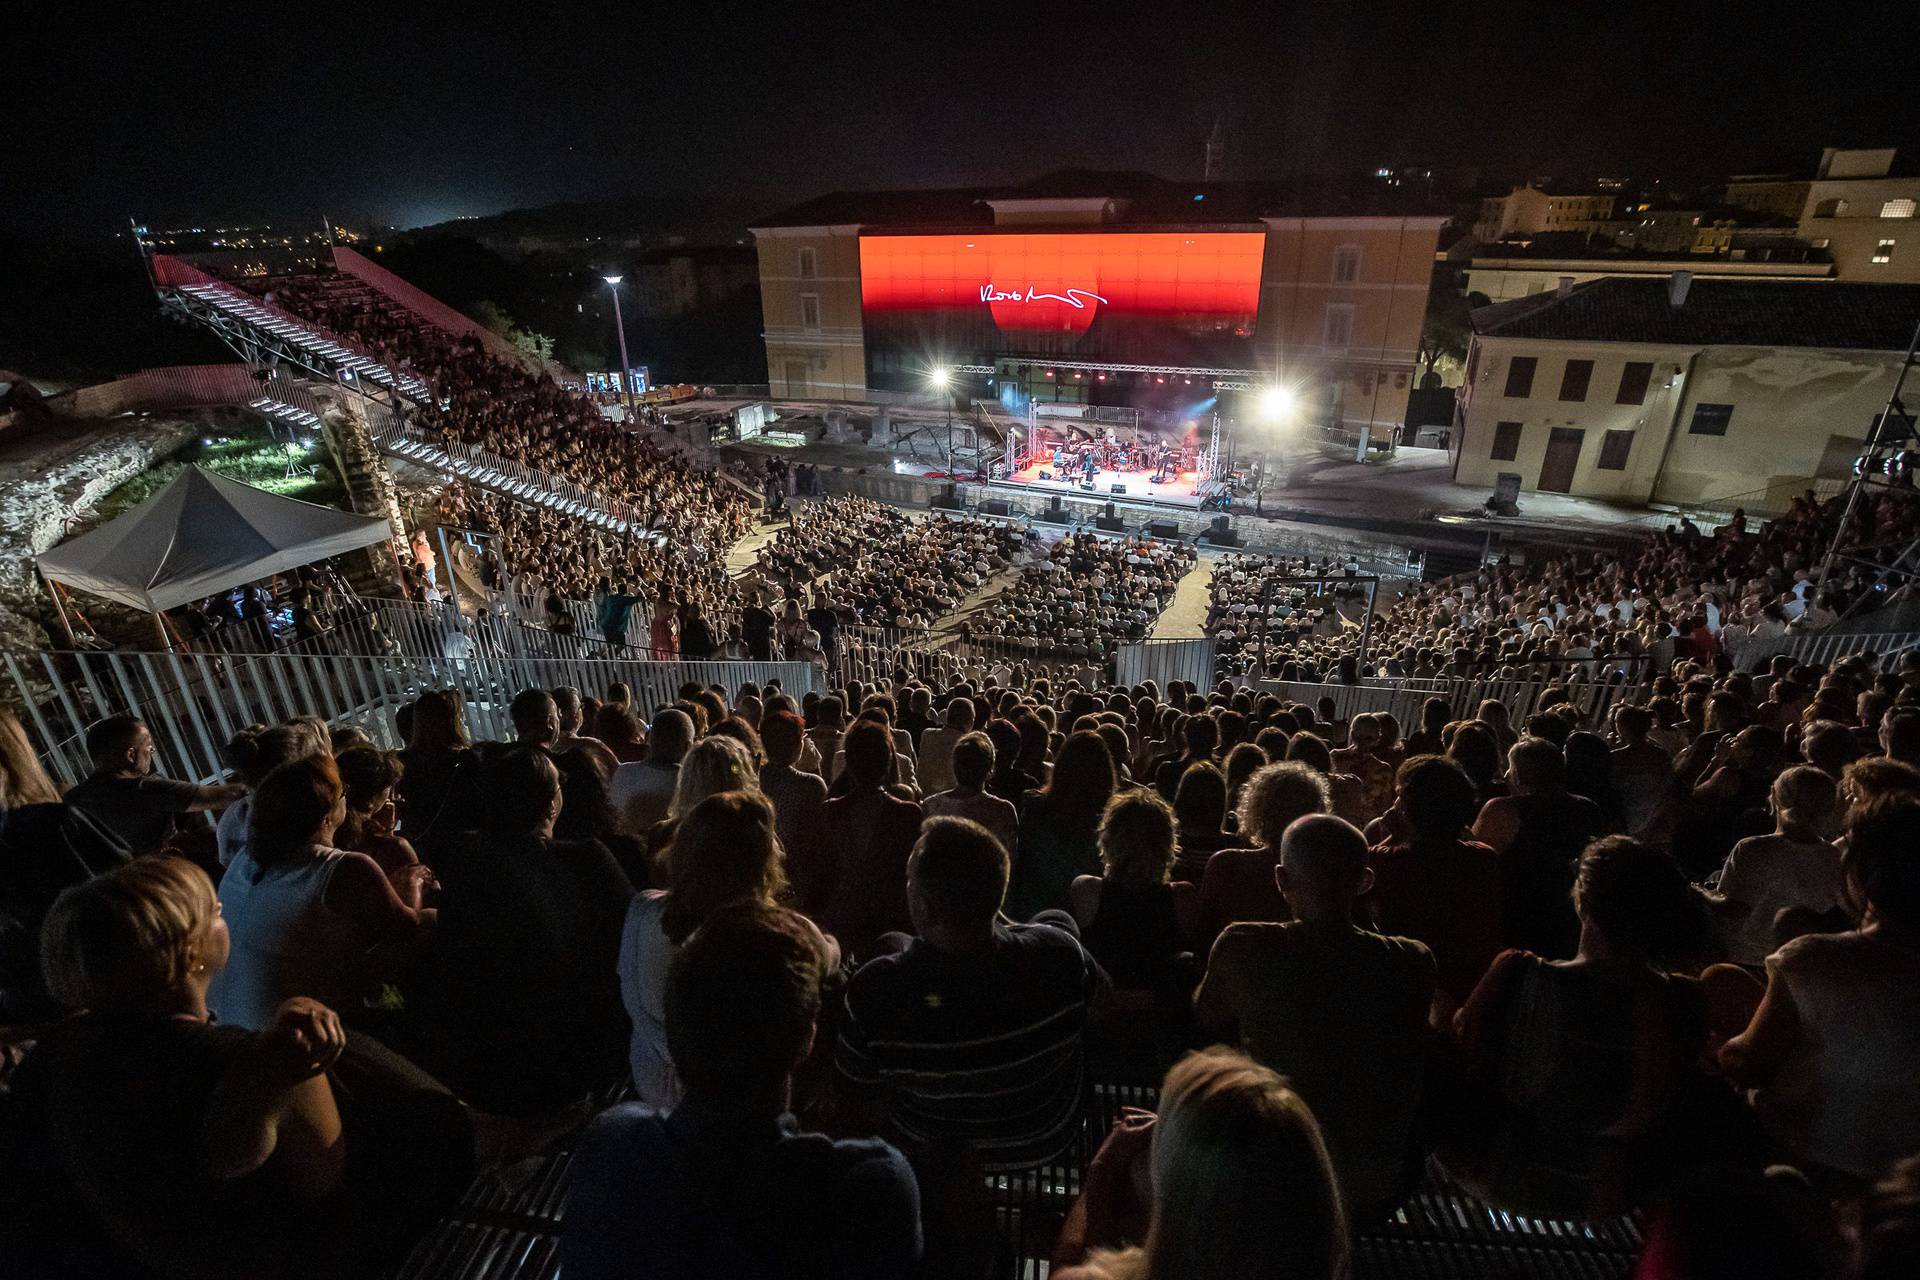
<point>537,345</point>
<point>491,316</point>
<point>1447,329</point>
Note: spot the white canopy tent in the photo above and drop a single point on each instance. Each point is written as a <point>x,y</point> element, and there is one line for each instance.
<point>201,535</point>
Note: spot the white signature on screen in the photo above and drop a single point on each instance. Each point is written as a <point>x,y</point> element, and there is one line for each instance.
<point>1075,298</point>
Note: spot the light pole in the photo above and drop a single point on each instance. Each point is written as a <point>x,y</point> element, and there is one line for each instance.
<point>941,378</point>
<point>1276,407</point>
<point>620,327</point>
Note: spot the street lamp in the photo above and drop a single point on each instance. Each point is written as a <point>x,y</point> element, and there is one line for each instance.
<point>620,327</point>
<point>1276,407</point>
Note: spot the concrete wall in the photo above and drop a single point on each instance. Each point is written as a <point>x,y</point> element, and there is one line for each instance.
<point>1798,415</point>
<point>1503,279</point>
<point>1853,237</point>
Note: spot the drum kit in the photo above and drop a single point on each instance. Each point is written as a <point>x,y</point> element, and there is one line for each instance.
<point>1104,453</point>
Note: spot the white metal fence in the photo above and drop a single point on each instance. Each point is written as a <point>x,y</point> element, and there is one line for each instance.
<point>1164,661</point>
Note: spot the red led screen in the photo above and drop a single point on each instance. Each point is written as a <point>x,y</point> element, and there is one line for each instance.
<point>1060,284</point>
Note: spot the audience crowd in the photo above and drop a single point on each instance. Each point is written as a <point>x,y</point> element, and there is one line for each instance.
<point>856,955</point>
<point>1088,597</point>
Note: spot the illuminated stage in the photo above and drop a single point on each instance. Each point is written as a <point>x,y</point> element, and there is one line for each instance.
<point>1183,489</point>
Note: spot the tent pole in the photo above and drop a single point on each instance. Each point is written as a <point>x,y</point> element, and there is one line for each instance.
<point>160,632</point>
<point>59,611</point>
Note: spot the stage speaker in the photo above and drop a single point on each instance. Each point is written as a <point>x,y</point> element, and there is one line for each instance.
<point>948,498</point>
<point>996,507</point>
<point>1109,511</point>
<point>1221,533</point>
<point>1163,529</point>
<point>1088,486</point>
<point>1110,522</point>
<point>1117,488</point>
<point>1055,512</point>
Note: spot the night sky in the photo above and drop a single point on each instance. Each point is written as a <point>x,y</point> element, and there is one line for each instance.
<point>383,111</point>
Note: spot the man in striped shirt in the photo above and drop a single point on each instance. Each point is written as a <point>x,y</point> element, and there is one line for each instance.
<point>969,1035</point>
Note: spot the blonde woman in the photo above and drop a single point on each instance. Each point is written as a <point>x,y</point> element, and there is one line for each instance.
<point>714,764</point>
<point>1241,1186</point>
<point>208,1150</point>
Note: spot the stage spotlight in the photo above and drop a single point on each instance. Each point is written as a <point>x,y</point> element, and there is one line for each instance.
<point>1049,373</point>
<point>1160,379</point>
<point>1076,375</point>
<point>940,375</point>
<point>1103,377</point>
<point>1276,402</point>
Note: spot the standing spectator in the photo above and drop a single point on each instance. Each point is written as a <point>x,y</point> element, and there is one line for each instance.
<point>1060,827</point>
<point>972,765</point>
<point>1339,1011</point>
<point>727,1184</point>
<point>756,622</point>
<point>614,613</point>
<point>307,918</point>
<point>641,793</point>
<point>127,800</point>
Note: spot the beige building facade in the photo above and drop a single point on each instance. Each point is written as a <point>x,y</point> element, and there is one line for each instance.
<point>810,305</point>
<point>1625,396</point>
<point>1530,211</point>
<point>1502,279</point>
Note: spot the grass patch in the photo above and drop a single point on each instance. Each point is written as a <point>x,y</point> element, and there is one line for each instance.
<point>254,458</point>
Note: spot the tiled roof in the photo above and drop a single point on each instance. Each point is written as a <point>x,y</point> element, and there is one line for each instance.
<point>1843,315</point>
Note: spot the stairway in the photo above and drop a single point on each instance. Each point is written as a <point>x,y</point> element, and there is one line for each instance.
<point>512,480</point>
<point>322,352</point>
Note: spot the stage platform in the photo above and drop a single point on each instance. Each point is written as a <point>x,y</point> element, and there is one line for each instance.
<point>1180,490</point>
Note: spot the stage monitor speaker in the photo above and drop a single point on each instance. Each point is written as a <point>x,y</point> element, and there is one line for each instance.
<point>1055,512</point>
<point>1163,529</point>
<point>1110,522</point>
<point>1221,533</point>
<point>1117,488</point>
<point>1045,474</point>
<point>1109,511</point>
<point>996,507</point>
<point>948,498</point>
<point>1088,486</point>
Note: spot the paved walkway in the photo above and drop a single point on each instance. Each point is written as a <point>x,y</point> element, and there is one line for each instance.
<point>1186,615</point>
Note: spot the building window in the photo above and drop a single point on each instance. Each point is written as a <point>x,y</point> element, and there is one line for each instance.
<point>1614,448</point>
<point>1506,441</point>
<point>809,262</point>
<point>1520,377</point>
<point>1339,326</point>
<point>1883,252</point>
<point>1710,419</point>
<point>1902,208</point>
<point>1573,383</point>
<point>810,312</point>
<point>1633,382</point>
<point>1346,263</point>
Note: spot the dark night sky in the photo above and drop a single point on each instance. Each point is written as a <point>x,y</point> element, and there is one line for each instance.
<point>412,118</point>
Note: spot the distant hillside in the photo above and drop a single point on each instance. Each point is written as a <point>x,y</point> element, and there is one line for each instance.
<point>695,218</point>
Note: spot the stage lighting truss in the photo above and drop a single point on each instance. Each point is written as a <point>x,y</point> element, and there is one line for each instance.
<point>1890,457</point>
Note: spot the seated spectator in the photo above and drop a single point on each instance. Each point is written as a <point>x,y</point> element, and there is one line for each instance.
<point>1432,884</point>
<point>1060,827</point>
<point>727,1184</point>
<point>852,876</point>
<point>972,765</point>
<point>970,1033</point>
<point>175,1146</point>
<point>1201,736</point>
<point>798,797</point>
<point>936,746</point>
<point>1241,1185</point>
<point>1642,769</point>
<point>1794,869</point>
<point>618,727</point>
<point>642,793</point>
<point>1241,884</point>
<point>516,1005</point>
<point>1829,1055</point>
<point>367,779</point>
<point>724,852</point>
<point>439,790</point>
<point>1339,1011</point>
<point>44,848</point>
<point>1132,921</point>
<point>305,917</point>
<point>1581,1070</point>
<point>130,803</point>
<point>1200,809</point>
<point>1538,830</point>
<point>571,710</point>
<point>252,754</point>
